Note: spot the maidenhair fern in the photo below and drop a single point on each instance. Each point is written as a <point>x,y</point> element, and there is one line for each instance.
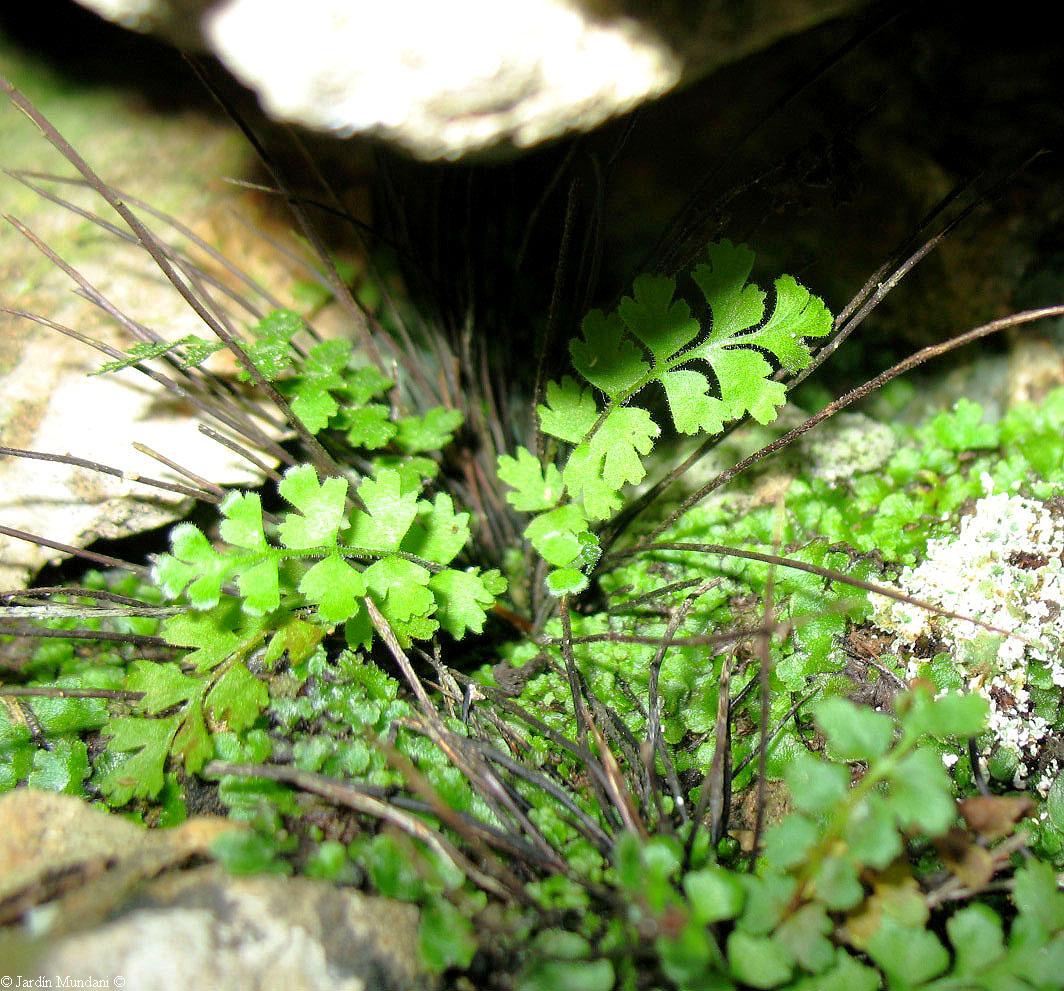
<point>710,375</point>
<point>323,558</point>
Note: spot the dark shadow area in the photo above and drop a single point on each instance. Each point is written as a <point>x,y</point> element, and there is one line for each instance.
<point>87,51</point>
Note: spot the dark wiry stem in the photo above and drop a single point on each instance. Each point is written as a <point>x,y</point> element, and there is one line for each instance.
<point>813,569</point>
<point>233,446</point>
<point>129,476</point>
<point>106,560</point>
<point>924,355</point>
<point>24,630</point>
<point>202,482</point>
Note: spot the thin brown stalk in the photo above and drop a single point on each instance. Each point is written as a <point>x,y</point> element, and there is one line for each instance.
<point>549,333</point>
<point>204,404</point>
<point>655,593</point>
<point>581,820</point>
<point>63,611</point>
<point>775,732</point>
<point>855,395</point>
<point>707,640</point>
<point>127,476</point>
<point>493,867</point>
<point>73,591</point>
<point>566,643</point>
<point>336,284</point>
<point>45,692</point>
<point>715,796</point>
<point>814,569</point>
<point>105,559</point>
<point>656,744</point>
<point>349,795</point>
<point>243,452</point>
<point>764,683</point>
<point>606,781</point>
<point>199,480</point>
<point>116,232</point>
<point>384,631</point>
<point>617,787</point>
<point>491,789</point>
<point>25,630</point>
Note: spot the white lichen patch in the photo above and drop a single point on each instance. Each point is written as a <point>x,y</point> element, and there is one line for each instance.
<point>1005,567</point>
<point>849,444</point>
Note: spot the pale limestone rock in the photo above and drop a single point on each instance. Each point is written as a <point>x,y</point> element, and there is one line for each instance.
<point>201,929</point>
<point>47,402</point>
<point>444,80</point>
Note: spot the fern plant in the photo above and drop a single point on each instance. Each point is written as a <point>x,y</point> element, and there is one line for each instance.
<point>576,798</point>
<point>653,339</point>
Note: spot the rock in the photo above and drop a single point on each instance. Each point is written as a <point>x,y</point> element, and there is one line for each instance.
<point>65,865</point>
<point>177,20</point>
<point>170,157</point>
<point>1005,567</point>
<point>450,79</point>
<point>847,445</point>
<point>100,897</point>
<point>203,929</point>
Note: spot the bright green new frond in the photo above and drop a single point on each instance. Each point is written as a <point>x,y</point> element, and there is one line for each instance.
<point>571,410</point>
<point>320,503</point>
<point>431,432</point>
<point>390,510</point>
<point>270,349</point>
<point>734,349</point>
<point>335,588</point>
<point>364,384</point>
<point>138,749</point>
<point>438,533</point>
<point>710,377</point>
<point>584,483</point>
<point>163,685</point>
<point>320,374</point>
<point>626,434</point>
<point>651,314</point>
<point>237,698</point>
<point>693,409</point>
<point>599,468</point>
<point>797,315</point>
<point>368,427</point>
<point>534,487</point>
<point>260,586</point>
<point>735,303</point>
<point>242,523</point>
<point>190,351</point>
<point>400,588</point>
<point>560,536</point>
<point>194,567</point>
<point>463,598</point>
<point>212,636</point>
<point>606,357</point>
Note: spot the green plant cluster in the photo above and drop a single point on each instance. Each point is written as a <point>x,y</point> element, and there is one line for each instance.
<point>834,902</point>
<point>653,339</point>
<point>270,660</point>
<point>864,526</point>
<point>401,545</point>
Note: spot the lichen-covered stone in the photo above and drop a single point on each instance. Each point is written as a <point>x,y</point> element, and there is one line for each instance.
<point>848,445</point>
<point>1004,567</point>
